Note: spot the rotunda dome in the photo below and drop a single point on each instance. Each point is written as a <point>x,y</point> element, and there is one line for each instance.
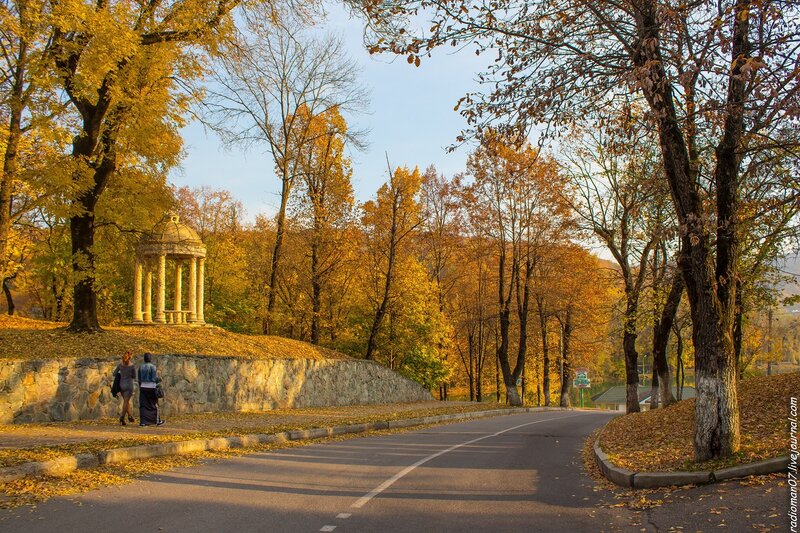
<point>172,237</point>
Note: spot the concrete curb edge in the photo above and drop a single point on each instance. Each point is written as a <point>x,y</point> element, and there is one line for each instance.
<point>64,465</point>
<point>650,480</point>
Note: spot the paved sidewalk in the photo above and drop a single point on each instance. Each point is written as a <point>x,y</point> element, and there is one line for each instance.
<point>19,436</point>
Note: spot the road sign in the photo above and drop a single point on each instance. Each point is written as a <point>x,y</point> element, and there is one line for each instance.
<point>582,380</point>
<point>582,383</point>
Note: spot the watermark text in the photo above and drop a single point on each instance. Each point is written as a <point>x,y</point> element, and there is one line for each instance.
<point>793,459</point>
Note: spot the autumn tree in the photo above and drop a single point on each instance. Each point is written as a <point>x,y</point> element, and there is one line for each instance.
<point>440,237</point>
<point>516,200</point>
<point>390,223</point>
<point>272,81</point>
<point>46,275</point>
<point>218,218</point>
<point>472,309</point>
<point>117,64</point>
<point>615,180</point>
<point>414,334</point>
<point>324,209</point>
<point>578,303</point>
<point>542,291</point>
<point>667,290</point>
<point>717,78</point>
<point>34,130</point>
<point>471,305</point>
<point>770,218</point>
<point>28,103</point>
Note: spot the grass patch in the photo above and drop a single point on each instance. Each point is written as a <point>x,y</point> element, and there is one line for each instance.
<point>22,338</point>
<point>212,425</point>
<point>662,440</point>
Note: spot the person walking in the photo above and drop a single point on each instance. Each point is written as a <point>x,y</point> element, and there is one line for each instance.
<point>127,373</point>
<point>148,399</point>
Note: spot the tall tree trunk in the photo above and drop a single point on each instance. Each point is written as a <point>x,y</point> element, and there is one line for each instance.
<point>6,185</point>
<point>661,339</point>
<point>82,229</point>
<point>316,293</point>
<point>478,391</point>
<point>496,368</point>
<point>512,395</point>
<point>679,372</point>
<point>523,305</point>
<point>57,313</point>
<point>481,356</point>
<point>471,372</point>
<point>96,148</point>
<point>504,316</point>
<point>280,229</point>
<point>9,297</point>
<point>710,287</point>
<point>738,329</point>
<point>380,312</point>
<point>84,296</point>
<point>566,382</point>
<point>631,355</point>
<point>717,414</point>
<point>654,388</point>
<point>545,352</point>
<point>11,155</point>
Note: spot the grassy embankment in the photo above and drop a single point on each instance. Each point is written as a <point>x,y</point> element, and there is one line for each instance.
<point>22,338</point>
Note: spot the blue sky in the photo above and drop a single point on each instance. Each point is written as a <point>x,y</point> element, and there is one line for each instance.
<point>410,117</point>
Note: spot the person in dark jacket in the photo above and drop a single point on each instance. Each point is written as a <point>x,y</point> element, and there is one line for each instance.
<point>148,400</point>
<point>127,373</point>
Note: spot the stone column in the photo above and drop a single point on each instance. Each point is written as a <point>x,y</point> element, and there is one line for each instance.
<point>148,296</point>
<point>192,290</point>
<point>200,292</point>
<point>178,290</point>
<point>137,293</point>
<point>161,296</point>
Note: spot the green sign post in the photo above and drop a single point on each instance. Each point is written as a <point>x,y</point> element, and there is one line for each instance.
<point>582,380</point>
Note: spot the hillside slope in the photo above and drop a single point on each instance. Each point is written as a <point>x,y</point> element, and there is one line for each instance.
<point>22,338</point>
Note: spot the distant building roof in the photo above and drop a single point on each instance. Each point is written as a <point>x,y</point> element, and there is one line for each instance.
<point>688,392</point>
<point>616,394</point>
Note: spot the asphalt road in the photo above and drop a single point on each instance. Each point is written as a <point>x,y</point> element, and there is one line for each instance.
<point>508,473</point>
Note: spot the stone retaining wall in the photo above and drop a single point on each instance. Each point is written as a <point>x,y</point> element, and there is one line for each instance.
<point>79,389</point>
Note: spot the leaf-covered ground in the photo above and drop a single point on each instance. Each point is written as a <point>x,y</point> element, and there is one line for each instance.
<point>22,338</point>
<point>662,439</point>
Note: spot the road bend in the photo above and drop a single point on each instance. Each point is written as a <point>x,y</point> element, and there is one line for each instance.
<point>508,473</point>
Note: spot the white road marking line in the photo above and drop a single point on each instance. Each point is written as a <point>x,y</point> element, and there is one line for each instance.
<point>343,515</point>
<point>361,502</point>
<point>327,528</point>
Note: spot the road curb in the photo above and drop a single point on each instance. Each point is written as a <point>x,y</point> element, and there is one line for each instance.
<point>651,480</point>
<point>64,465</point>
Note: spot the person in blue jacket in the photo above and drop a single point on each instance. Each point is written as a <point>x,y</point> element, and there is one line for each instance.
<point>148,379</point>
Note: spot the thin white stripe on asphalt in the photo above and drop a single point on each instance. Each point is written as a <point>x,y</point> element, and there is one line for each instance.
<point>327,528</point>
<point>343,515</point>
<point>361,502</point>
